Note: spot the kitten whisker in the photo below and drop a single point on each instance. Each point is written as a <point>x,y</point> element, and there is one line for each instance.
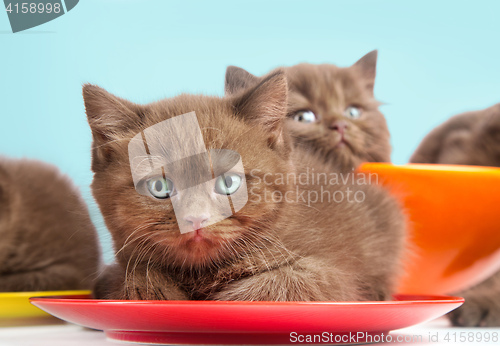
<point>138,229</point>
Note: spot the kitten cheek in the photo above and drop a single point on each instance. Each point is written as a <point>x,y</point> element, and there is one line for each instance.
<point>299,130</point>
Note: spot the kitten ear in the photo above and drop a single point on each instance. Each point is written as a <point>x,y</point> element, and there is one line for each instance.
<point>367,66</point>
<point>109,117</point>
<point>266,105</point>
<point>238,79</point>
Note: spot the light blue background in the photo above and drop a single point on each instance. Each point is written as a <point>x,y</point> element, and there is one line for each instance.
<point>436,59</point>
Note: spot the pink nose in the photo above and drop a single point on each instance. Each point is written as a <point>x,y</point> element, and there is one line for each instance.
<point>197,220</point>
<point>339,126</point>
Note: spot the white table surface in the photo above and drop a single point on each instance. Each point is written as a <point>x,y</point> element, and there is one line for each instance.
<point>63,334</point>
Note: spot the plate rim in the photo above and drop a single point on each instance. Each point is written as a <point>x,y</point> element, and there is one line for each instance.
<point>401,299</point>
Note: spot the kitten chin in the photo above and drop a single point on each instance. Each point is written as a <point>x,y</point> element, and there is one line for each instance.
<point>331,110</point>
<point>48,240</point>
<point>278,245</point>
<point>471,138</point>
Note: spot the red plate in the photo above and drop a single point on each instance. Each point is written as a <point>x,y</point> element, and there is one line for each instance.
<point>215,322</point>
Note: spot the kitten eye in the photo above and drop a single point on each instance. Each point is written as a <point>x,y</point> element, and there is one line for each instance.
<point>305,117</point>
<point>160,187</point>
<point>352,112</point>
<point>227,184</point>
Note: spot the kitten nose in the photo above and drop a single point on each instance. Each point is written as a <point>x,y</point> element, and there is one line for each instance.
<point>339,126</point>
<point>197,220</point>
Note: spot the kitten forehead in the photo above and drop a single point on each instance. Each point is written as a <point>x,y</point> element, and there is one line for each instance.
<point>176,147</point>
<point>326,86</point>
<point>214,116</point>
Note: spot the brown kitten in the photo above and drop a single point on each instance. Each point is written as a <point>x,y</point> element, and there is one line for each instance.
<point>331,110</point>
<point>471,138</point>
<point>270,249</point>
<point>48,241</point>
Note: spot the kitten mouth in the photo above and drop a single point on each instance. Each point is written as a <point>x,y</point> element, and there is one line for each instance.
<point>343,143</point>
<point>198,236</point>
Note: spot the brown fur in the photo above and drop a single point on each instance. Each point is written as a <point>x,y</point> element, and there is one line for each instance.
<point>471,138</point>
<point>48,241</point>
<point>482,305</point>
<point>327,91</point>
<point>269,250</point>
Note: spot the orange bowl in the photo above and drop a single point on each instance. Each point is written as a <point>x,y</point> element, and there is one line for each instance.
<point>453,222</point>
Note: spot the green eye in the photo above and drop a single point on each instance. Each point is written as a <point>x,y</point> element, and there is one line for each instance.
<point>160,187</point>
<point>227,184</point>
<point>352,112</point>
<point>305,117</point>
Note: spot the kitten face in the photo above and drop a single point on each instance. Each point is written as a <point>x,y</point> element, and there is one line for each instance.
<point>169,160</point>
<point>331,110</point>
<point>471,138</point>
<point>145,225</point>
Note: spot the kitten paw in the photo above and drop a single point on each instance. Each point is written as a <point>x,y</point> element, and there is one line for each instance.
<point>153,285</point>
<point>482,305</point>
<point>141,285</point>
<point>476,312</point>
<point>282,284</point>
